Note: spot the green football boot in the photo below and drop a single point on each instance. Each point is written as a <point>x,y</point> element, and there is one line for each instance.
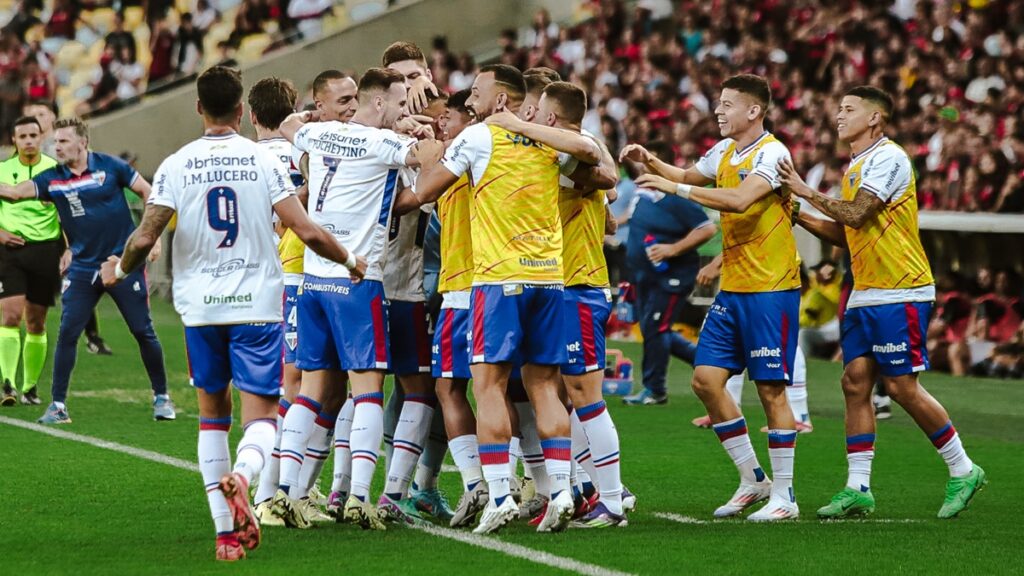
<point>847,504</point>
<point>959,492</point>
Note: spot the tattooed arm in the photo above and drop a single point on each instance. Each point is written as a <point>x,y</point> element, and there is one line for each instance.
<point>139,244</point>
<point>853,213</point>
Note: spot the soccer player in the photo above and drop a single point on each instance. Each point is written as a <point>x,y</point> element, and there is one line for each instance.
<point>316,412</point>
<point>271,101</point>
<point>887,315</point>
<point>227,288</point>
<point>753,322</point>
<point>342,324</point>
<point>87,189</point>
<point>450,352</point>
<point>411,423</point>
<point>587,302</point>
<point>30,251</point>
<point>516,303</point>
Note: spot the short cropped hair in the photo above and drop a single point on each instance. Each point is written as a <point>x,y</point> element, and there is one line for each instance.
<point>220,91</point>
<point>876,96</point>
<point>380,79</point>
<point>81,128</point>
<point>272,100</point>
<point>508,76</point>
<point>570,99</point>
<point>753,86</point>
<point>323,78</point>
<point>27,120</point>
<point>457,101</point>
<point>538,78</point>
<point>401,51</point>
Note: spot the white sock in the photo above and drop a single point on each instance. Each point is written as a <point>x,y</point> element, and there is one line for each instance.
<point>317,451</point>
<point>256,443</point>
<point>295,432</point>
<point>392,412</point>
<point>604,449</point>
<point>782,451</point>
<point>515,453</point>
<point>734,438</point>
<point>271,472</point>
<point>947,442</point>
<point>494,460</point>
<point>860,451</point>
<point>734,386</point>
<point>434,451</point>
<point>558,463</point>
<point>342,482</point>
<point>466,455</point>
<point>413,426</point>
<point>214,463</point>
<point>797,393</point>
<point>581,454</point>
<point>533,454</point>
<point>367,432</point>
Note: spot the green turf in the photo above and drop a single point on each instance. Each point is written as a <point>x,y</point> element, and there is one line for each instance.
<point>72,508</point>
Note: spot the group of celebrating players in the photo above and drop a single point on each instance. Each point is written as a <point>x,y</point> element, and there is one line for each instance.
<point>521,193</point>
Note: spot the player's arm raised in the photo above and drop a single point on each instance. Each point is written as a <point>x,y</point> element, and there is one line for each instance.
<point>604,176</point>
<point>853,213</point>
<point>431,182</point>
<point>293,122</point>
<point>139,245</point>
<point>737,199</point>
<point>294,216</point>
<point>638,153</point>
<point>24,191</point>
<point>572,143</point>
<point>828,230</point>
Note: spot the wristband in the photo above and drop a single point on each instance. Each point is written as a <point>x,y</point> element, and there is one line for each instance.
<point>119,272</point>
<point>351,262</point>
<point>683,190</point>
<point>794,219</point>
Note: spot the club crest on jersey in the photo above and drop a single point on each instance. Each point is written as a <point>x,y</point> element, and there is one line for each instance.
<point>743,174</point>
<point>853,178</point>
<point>99,177</point>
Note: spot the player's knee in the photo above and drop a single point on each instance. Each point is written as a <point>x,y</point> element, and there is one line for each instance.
<point>903,390</point>
<point>702,386</point>
<point>852,385</point>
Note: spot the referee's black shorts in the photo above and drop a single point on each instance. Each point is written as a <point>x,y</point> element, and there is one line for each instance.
<point>32,270</point>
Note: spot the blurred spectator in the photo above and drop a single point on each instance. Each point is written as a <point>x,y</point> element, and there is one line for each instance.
<point>309,15</point>
<point>104,88</point>
<point>118,37</point>
<point>248,21</point>
<point>995,320</point>
<point>129,73</point>
<point>39,83</point>
<point>161,48</point>
<point>204,15</point>
<point>44,113</point>
<point>63,19</point>
<point>189,46</point>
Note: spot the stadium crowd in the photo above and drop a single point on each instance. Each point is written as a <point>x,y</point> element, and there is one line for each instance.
<point>957,70</point>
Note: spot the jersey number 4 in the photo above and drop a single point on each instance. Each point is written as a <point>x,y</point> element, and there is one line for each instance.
<point>222,213</point>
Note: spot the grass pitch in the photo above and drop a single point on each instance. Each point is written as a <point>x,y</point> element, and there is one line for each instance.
<point>74,508</point>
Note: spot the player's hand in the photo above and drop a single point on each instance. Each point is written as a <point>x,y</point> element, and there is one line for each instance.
<point>428,152</point>
<point>655,182</point>
<point>659,252</point>
<point>708,274</point>
<point>359,271</point>
<point>636,153</point>
<point>416,101</point>
<point>505,120</point>
<point>791,179</point>
<point>154,254</point>
<point>11,240</point>
<point>107,273</point>
<point>409,125</point>
<point>65,261</point>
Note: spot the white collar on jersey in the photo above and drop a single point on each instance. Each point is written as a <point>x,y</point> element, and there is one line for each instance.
<point>737,153</point>
<point>877,143</point>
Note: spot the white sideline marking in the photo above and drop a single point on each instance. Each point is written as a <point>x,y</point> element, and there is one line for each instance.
<point>537,556</point>
<point>507,548</point>
<point>105,444</point>
<point>691,520</point>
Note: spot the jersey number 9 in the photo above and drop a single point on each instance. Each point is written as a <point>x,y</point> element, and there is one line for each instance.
<point>222,213</point>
